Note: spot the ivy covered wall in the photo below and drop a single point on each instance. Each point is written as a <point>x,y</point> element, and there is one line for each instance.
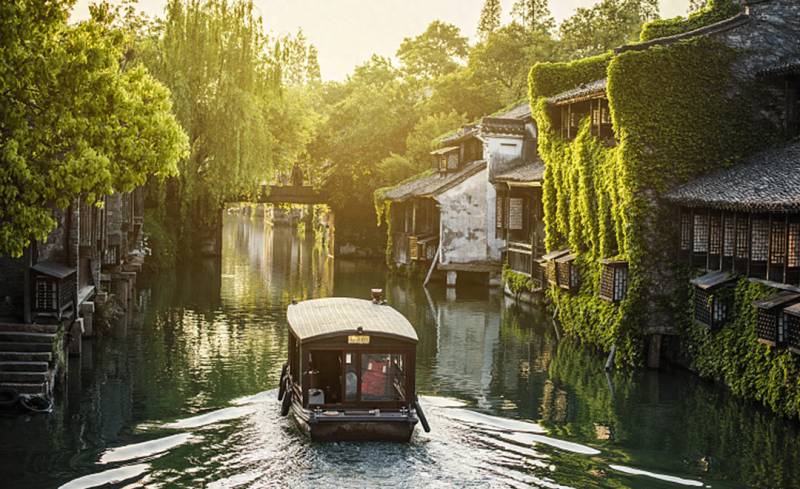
<point>678,111</point>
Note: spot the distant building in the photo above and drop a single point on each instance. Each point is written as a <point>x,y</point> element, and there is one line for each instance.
<point>451,218</point>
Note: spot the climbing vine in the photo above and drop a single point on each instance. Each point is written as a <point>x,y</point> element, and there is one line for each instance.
<point>734,356</point>
<point>714,11</point>
<point>674,117</point>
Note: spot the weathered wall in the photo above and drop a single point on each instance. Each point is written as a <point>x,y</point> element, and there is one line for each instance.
<point>464,220</point>
<point>501,151</point>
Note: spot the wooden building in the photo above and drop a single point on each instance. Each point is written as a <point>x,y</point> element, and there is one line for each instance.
<point>48,296</point>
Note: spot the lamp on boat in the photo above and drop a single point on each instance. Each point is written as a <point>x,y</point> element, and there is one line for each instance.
<point>377,295</point>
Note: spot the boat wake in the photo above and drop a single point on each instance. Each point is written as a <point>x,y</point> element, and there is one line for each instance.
<point>249,445</point>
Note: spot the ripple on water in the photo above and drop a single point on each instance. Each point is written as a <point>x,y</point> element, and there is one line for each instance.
<point>250,445</point>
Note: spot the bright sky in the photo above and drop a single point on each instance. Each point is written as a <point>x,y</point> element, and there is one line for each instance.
<point>348,32</point>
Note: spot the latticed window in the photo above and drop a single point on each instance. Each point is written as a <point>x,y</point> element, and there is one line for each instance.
<point>777,253</point>
<point>792,324</point>
<point>759,243</point>
<point>516,213</point>
<point>700,233</point>
<point>794,244</point>
<point>713,298</point>
<point>686,231</point>
<point>452,161</point>
<point>46,296</point>
<point>499,205</point>
<point>614,280</point>
<point>771,321</point>
<point>741,239</point>
<point>715,243</point>
<point>730,237</point>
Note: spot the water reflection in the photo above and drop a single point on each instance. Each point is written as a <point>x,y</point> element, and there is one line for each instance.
<point>181,394</point>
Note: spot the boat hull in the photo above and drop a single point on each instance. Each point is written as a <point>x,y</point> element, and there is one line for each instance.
<point>391,427</point>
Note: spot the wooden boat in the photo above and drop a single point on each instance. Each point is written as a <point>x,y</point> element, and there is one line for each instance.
<point>350,372</point>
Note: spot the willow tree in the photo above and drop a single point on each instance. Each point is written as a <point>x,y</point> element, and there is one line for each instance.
<point>226,77</point>
<point>73,122</point>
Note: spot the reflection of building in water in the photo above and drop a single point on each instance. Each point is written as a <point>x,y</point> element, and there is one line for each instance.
<point>555,404</point>
<point>468,336</point>
<point>265,264</point>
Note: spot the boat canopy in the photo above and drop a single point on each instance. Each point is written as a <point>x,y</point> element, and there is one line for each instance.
<point>336,316</point>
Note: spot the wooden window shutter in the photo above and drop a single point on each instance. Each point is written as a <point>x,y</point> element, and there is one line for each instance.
<point>515,214</point>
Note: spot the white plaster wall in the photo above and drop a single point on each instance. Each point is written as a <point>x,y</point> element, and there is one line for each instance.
<point>464,220</point>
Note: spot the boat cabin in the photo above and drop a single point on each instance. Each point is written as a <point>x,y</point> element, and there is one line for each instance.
<point>350,371</point>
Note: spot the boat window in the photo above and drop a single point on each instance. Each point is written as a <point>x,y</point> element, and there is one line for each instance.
<point>350,377</point>
<point>326,374</point>
<point>382,377</point>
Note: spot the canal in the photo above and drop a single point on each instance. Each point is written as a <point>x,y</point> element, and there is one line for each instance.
<point>181,393</point>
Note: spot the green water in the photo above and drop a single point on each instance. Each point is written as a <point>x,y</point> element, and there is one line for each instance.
<point>182,394</point>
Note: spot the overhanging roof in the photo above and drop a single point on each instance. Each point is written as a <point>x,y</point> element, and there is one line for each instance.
<point>520,171</point>
<point>580,93</point>
<point>767,181</point>
<point>434,184</point>
<point>443,151</point>
<point>338,316</point>
<point>53,269</point>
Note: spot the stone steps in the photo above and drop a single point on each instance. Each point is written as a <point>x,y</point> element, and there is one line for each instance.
<point>26,388</point>
<point>26,337</point>
<point>25,356</point>
<point>20,346</point>
<point>24,377</point>
<point>24,366</point>
<point>28,328</point>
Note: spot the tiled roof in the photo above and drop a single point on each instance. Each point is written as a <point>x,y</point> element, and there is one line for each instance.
<point>520,171</point>
<point>496,125</point>
<point>463,133</point>
<point>715,28</point>
<point>335,316</point>
<point>521,111</point>
<point>768,181</point>
<point>435,184</point>
<point>582,92</point>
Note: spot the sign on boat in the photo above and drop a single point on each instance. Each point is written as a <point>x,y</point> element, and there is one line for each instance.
<point>350,371</point>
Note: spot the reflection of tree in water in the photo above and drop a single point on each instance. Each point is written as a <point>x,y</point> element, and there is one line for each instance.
<point>669,420</point>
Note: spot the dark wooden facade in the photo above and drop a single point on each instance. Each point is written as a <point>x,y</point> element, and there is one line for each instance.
<point>758,245</point>
<point>519,222</point>
<point>415,230</point>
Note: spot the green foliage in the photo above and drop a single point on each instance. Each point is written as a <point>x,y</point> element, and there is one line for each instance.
<point>435,52</point>
<point>599,200</point>
<point>734,357</point>
<point>604,26</point>
<point>75,120</point>
<point>534,15</point>
<point>239,96</point>
<point>490,18</point>
<point>714,11</point>
<point>517,282</point>
<point>368,120</point>
<point>500,63</point>
<point>159,242</point>
<point>423,138</point>
<point>548,79</point>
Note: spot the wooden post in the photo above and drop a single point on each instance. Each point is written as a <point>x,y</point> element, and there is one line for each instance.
<point>786,249</point>
<point>769,246</point>
<point>708,238</point>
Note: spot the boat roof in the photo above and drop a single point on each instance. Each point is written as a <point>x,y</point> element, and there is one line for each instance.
<point>337,316</point>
